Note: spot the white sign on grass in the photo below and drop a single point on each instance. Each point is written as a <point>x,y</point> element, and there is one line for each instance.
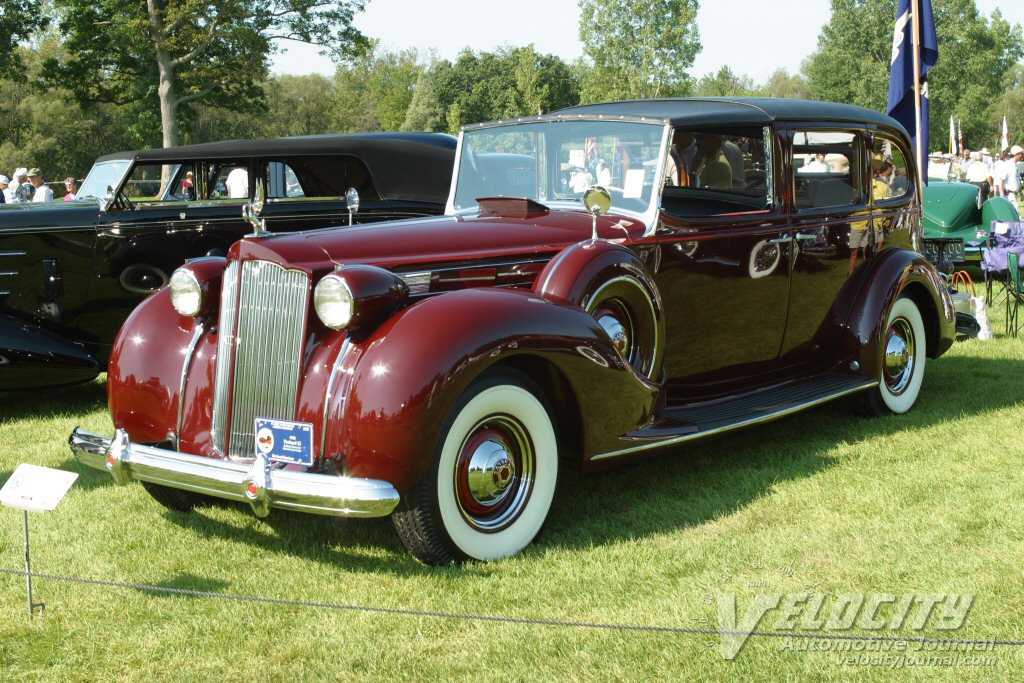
<point>35,488</point>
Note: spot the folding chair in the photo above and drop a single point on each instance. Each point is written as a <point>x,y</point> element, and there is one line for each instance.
<point>1014,293</point>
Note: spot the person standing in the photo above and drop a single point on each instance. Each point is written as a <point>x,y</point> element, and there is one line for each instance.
<point>1012,180</point>
<point>43,193</point>
<point>238,183</point>
<point>5,190</point>
<point>978,174</point>
<point>21,189</point>
<point>71,185</point>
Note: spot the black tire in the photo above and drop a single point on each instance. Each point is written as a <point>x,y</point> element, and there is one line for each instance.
<point>178,500</point>
<point>492,477</point>
<point>903,361</point>
<point>624,308</point>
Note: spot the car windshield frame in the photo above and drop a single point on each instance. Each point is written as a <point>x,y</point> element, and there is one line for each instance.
<point>556,134</point>
<point>107,177</point>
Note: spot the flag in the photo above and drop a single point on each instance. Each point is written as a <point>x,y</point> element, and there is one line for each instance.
<point>1005,141</point>
<point>901,74</point>
<point>959,136</point>
<point>952,136</point>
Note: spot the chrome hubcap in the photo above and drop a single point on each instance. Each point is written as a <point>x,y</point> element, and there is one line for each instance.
<point>899,356</point>
<point>494,473</point>
<point>616,332</point>
<point>491,470</point>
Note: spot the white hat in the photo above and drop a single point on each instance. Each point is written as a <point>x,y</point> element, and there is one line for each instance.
<point>1016,149</point>
<point>4,180</point>
<point>984,150</point>
<point>20,172</point>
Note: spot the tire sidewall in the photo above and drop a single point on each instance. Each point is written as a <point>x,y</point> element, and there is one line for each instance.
<point>906,309</point>
<point>501,394</point>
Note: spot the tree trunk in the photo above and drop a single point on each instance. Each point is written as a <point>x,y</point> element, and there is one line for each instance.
<point>168,99</point>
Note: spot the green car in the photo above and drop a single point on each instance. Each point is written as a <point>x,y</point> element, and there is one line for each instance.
<point>955,227</point>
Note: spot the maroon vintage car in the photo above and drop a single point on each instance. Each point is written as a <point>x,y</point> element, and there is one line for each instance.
<point>608,281</point>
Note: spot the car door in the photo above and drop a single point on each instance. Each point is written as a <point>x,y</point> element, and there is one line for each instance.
<point>723,268</point>
<point>833,239</point>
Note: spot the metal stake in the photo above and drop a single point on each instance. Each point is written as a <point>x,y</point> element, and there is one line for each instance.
<point>28,575</point>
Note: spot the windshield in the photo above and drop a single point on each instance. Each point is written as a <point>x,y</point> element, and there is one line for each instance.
<point>555,162</point>
<point>103,179</point>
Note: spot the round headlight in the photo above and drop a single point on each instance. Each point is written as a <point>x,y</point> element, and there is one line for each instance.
<point>333,302</point>
<point>186,294</point>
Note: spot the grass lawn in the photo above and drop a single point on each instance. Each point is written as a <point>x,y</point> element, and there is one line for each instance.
<point>828,502</point>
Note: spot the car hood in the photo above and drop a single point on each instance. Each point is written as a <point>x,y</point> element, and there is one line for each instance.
<point>51,215</point>
<point>402,244</point>
<point>950,207</point>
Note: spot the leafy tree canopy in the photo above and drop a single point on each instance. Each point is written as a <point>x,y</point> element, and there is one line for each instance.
<point>638,48</point>
<point>19,20</point>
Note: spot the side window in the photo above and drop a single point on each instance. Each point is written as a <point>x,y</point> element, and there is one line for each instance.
<point>319,177</point>
<point>890,171</point>
<point>716,172</point>
<point>825,164</point>
<point>227,180</point>
<point>152,183</point>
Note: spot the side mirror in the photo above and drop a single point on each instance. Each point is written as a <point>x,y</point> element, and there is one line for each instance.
<point>252,211</point>
<point>597,201</point>
<point>352,200</point>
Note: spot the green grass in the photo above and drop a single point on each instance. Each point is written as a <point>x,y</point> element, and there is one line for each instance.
<point>929,502</point>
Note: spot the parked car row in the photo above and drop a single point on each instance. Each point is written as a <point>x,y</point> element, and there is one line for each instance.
<point>71,272</point>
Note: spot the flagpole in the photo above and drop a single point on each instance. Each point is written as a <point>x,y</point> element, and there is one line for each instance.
<point>914,12</point>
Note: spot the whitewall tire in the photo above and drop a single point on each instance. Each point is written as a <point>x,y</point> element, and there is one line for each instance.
<point>903,360</point>
<point>492,478</point>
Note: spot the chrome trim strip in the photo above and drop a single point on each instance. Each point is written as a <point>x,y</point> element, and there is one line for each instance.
<point>346,347</point>
<point>225,352</point>
<point>745,423</point>
<point>310,492</point>
<point>13,252</point>
<point>8,273</point>
<point>185,368</point>
<point>5,292</point>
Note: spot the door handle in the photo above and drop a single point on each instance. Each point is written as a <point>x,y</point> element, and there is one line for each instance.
<point>803,236</point>
<point>785,239</point>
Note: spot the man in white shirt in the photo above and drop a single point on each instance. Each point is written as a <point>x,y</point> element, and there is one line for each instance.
<point>978,173</point>
<point>1012,180</point>
<point>42,193</point>
<point>238,183</point>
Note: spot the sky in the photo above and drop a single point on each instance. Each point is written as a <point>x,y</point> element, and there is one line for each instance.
<point>752,37</point>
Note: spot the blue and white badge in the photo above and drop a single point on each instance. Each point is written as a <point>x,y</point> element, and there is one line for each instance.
<point>284,441</point>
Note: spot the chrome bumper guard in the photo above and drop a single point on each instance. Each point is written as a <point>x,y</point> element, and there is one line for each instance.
<point>257,483</point>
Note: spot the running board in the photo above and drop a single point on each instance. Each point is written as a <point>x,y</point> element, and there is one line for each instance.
<point>689,423</point>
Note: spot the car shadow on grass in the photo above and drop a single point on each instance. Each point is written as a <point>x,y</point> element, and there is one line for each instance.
<point>53,401</point>
<point>672,491</point>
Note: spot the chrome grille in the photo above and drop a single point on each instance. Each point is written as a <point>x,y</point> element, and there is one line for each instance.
<point>267,344</point>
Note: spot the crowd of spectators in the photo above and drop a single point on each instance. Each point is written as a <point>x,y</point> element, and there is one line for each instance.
<point>995,175</point>
<point>26,185</point>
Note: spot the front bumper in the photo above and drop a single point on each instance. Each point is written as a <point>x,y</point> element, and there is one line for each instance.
<point>258,483</point>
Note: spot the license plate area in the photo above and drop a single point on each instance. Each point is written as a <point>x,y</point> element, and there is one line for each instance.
<point>946,249</point>
<point>284,441</point>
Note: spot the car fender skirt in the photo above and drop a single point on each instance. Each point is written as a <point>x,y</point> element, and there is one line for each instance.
<point>31,357</point>
<point>413,369</point>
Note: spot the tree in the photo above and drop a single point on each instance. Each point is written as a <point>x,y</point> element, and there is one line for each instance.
<point>179,53</point>
<point>638,48</point>
<point>725,83</point>
<point>19,21</point>
<point>374,92</point>
<point>975,53</point>
<point>783,84</point>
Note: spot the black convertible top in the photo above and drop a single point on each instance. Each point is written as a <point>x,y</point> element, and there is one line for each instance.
<point>703,111</point>
<point>411,166</point>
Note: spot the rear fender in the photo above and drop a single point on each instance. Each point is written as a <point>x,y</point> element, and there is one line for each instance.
<point>31,357</point>
<point>405,378</point>
<point>897,272</point>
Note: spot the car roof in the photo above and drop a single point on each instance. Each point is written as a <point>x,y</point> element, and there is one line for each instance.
<point>425,158</point>
<point>702,111</point>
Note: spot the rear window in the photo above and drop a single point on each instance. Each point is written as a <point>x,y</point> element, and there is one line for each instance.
<point>319,177</point>
<point>825,164</point>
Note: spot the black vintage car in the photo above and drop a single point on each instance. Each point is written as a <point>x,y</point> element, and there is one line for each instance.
<point>70,272</point>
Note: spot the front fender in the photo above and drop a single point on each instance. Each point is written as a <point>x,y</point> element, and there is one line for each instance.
<point>411,371</point>
<point>146,369</point>
<point>894,273</point>
<point>31,357</point>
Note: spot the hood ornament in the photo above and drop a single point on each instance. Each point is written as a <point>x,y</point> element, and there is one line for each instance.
<point>252,212</point>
